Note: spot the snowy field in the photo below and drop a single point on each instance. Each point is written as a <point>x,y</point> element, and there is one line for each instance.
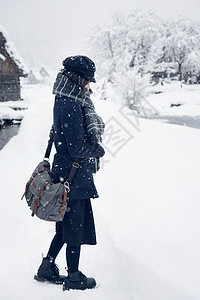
<point>147,216</point>
<point>188,96</point>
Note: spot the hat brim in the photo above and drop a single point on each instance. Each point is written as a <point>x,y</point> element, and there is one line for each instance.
<point>91,79</point>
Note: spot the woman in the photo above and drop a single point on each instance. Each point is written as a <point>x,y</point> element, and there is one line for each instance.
<point>77,133</point>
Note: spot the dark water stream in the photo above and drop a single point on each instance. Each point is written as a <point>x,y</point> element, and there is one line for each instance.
<point>188,121</point>
<point>6,133</point>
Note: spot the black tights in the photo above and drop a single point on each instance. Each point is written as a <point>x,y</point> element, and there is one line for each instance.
<point>72,252</point>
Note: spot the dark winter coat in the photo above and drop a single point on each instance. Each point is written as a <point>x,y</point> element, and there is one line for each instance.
<point>71,141</point>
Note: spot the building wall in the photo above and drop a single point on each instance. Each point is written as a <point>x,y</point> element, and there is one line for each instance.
<point>8,68</point>
<point>9,81</point>
<point>9,88</point>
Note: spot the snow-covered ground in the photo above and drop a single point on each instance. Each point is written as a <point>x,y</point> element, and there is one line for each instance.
<point>188,96</point>
<point>147,216</point>
<point>12,110</point>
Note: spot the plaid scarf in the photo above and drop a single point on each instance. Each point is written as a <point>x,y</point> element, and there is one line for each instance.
<point>63,86</point>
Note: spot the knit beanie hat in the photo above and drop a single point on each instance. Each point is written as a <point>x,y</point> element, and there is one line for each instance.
<point>82,65</point>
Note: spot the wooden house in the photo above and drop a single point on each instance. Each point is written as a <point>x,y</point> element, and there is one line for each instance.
<point>34,77</point>
<point>44,75</point>
<point>45,71</point>
<point>11,69</point>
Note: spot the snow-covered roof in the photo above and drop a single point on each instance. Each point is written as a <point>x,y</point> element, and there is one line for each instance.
<point>4,32</point>
<point>10,48</point>
<point>46,71</point>
<point>36,74</point>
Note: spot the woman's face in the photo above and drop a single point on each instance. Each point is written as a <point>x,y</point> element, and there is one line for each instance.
<point>88,86</point>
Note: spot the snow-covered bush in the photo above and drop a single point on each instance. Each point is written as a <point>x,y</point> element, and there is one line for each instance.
<point>130,89</point>
<point>134,89</point>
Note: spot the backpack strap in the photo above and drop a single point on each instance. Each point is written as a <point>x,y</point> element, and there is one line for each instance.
<point>50,144</point>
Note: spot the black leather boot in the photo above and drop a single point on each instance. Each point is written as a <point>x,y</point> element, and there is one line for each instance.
<point>48,271</point>
<point>78,281</point>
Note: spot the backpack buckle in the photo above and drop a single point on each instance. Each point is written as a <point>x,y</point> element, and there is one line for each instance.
<point>66,186</point>
<point>75,165</point>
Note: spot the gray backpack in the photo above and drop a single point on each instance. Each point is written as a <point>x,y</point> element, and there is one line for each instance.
<point>48,200</point>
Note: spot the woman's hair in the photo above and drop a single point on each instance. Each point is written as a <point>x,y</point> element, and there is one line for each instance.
<point>78,79</point>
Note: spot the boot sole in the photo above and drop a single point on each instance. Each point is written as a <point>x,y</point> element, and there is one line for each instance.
<point>43,279</point>
<point>80,289</point>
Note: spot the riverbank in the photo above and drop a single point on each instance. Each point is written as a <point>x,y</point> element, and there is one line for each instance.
<point>6,133</point>
<point>12,112</point>
<point>175,99</point>
<point>11,116</point>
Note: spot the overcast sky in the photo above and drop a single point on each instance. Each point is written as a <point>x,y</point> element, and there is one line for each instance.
<point>46,31</point>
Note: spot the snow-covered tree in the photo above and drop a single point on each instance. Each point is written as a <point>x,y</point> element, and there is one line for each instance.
<point>182,38</point>
<point>137,41</point>
<point>192,63</point>
<point>126,42</point>
<point>101,43</point>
